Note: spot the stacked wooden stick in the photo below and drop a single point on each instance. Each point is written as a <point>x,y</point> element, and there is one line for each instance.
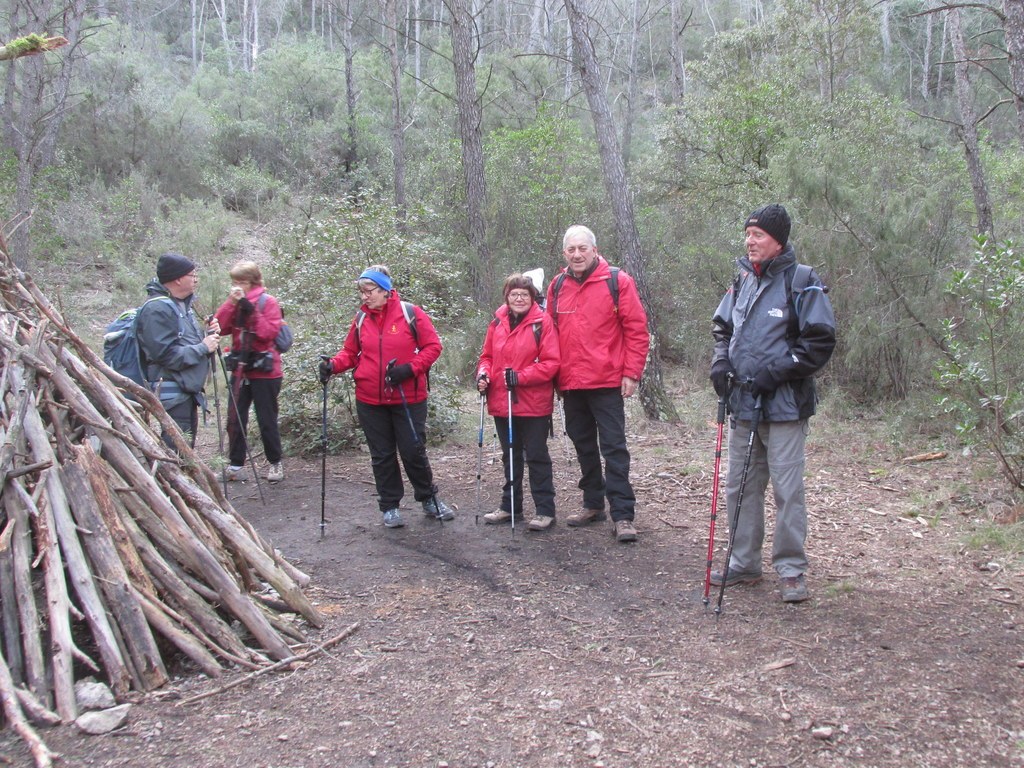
<point>115,552</point>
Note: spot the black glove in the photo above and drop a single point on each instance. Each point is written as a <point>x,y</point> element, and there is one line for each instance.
<point>398,373</point>
<point>244,310</point>
<point>326,369</point>
<point>483,377</point>
<point>721,372</point>
<point>511,378</point>
<point>763,384</point>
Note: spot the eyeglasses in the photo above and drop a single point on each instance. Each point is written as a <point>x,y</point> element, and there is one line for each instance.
<point>369,291</point>
<point>519,296</point>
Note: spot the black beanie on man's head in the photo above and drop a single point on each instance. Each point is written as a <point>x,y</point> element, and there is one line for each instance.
<point>774,220</point>
<point>171,266</point>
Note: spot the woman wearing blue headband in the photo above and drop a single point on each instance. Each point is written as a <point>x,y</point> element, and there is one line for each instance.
<point>391,346</point>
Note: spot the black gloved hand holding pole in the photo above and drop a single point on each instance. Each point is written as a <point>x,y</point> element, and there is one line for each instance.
<point>722,374</point>
<point>512,381</point>
<point>396,374</point>
<point>325,369</point>
<point>763,386</point>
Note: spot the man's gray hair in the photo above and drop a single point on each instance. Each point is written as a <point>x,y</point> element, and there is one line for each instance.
<point>579,229</point>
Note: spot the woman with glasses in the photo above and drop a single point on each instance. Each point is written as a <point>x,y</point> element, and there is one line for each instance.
<point>390,347</point>
<point>517,366</point>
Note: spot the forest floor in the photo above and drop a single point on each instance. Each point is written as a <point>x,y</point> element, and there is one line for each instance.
<point>480,646</point>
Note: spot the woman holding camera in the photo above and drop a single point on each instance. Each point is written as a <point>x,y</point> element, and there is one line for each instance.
<point>252,317</point>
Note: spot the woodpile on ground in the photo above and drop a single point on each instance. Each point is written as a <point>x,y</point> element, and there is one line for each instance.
<point>117,554</point>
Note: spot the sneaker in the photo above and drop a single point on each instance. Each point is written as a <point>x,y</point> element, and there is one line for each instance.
<point>735,577</point>
<point>392,519</point>
<point>625,531</point>
<point>276,473</point>
<point>234,474</point>
<point>497,516</point>
<point>445,513</point>
<point>540,523</point>
<point>794,589</point>
<point>584,516</point>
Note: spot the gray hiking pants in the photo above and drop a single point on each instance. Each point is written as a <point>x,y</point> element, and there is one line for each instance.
<point>778,455</point>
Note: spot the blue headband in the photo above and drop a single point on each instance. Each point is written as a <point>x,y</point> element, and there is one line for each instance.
<point>378,277</point>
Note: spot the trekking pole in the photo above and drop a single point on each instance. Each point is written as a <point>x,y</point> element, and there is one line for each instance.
<point>565,432</point>
<point>233,399</point>
<point>323,459</point>
<point>739,503</point>
<point>220,433</point>
<point>480,456</point>
<point>714,491</point>
<point>511,462</point>
<point>417,441</point>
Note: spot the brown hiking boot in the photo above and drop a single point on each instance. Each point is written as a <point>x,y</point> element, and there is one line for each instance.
<point>625,531</point>
<point>497,516</point>
<point>794,589</point>
<point>584,516</point>
<point>540,523</point>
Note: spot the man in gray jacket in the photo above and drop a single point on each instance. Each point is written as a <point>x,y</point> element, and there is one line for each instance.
<point>175,350</point>
<point>774,329</point>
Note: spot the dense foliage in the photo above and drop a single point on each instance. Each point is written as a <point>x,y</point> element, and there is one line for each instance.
<point>157,130</point>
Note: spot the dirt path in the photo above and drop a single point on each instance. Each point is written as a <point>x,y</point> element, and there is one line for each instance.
<point>479,648</point>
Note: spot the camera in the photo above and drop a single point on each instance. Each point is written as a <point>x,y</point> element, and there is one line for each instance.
<point>261,361</point>
<point>257,361</point>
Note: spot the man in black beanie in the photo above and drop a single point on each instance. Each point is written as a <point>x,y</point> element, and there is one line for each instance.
<point>173,346</point>
<point>773,331</point>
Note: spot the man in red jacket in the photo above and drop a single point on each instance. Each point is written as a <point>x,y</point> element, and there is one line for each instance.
<point>603,337</point>
<point>390,359</point>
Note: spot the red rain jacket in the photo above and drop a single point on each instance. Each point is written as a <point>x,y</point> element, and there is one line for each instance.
<point>599,345</point>
<point>518,349</point>
<point>262,327</point>
<point>384,336</point>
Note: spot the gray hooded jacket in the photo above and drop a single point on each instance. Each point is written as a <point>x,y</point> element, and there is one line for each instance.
<point>752,330</point>
<point>171,342</point>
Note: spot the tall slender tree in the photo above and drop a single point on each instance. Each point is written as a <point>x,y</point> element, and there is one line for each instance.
<point>655,401</point>
<point>464,53</point>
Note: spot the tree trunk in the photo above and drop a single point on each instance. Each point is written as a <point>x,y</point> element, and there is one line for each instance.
<point>351,152</point>
<point>1013,30</point>
<point>969,124</point>
<point>679,26</point>
<point>397,129</point>
<point>656,402</point>
<point>464,53</point>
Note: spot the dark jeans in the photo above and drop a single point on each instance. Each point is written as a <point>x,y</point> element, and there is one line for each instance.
<point>262,395</point>
<point>389,437</point>
<point>529,437</point>
<point>595,420</point>
<point>185,414</point>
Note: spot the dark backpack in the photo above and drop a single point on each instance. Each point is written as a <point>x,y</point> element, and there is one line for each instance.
<point>121,346</point>
<point>613,288</point>
<point>285,338</point>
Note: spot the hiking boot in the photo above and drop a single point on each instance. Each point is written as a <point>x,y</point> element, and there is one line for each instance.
<point>497,516</point>
<point>392,519</point>
<point>584,516</point>
<point>234,474</point>
<point>735,577</point>
<point>276,473</point>
<point>794,589</point>
<point>541,523</point>
<point>624,531</point>
<point>430,508</point>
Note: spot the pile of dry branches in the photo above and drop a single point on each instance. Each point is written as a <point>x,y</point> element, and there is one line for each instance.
<point>114,551</point>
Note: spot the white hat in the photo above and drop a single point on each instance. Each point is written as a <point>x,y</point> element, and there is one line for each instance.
<point>537,278</point>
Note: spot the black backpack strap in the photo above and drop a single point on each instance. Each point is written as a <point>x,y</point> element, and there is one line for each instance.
<point>613,286</point>
<point>554,296</point>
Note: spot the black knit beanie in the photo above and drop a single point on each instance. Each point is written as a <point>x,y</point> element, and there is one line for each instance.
<point>774,220</point>
<point>171,266</point>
